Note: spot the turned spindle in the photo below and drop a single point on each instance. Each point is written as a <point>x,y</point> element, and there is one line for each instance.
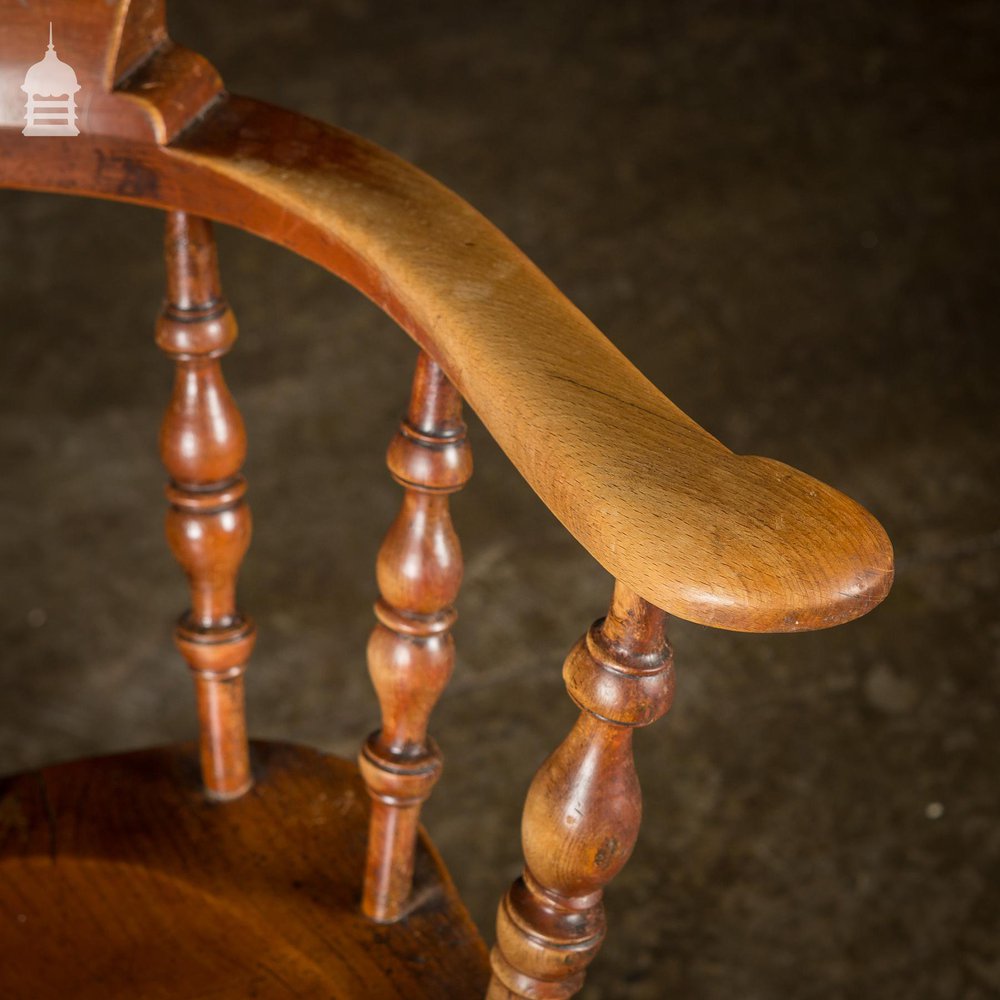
<point>582,813</point>
<point>203,445</point>
<point>411,651</point>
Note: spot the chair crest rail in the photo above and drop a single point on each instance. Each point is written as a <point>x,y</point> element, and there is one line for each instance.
<point>731,541</point>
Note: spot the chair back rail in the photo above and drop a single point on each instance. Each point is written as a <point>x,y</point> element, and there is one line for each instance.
<point>732,541</point>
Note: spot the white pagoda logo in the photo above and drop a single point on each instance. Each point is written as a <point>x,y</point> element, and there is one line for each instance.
<point>50,78</point>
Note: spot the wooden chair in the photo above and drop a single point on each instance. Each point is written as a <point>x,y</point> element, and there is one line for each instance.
<point>274,873</point>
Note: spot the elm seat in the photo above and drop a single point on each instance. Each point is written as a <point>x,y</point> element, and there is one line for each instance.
<point>135,832</point>
<point>122,876</point>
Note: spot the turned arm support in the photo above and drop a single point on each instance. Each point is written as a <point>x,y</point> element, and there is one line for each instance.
<point>581,817</point>
<point>727,540</point>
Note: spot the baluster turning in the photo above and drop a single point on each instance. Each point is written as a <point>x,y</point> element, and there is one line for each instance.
<point>203,445</point>
<point>582,813</point>
<point>411,650</point>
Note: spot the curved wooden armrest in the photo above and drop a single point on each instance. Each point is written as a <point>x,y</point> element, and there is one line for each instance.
<point>722,539</point>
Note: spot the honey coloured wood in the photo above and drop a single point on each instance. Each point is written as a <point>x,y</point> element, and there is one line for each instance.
<point>582,814</point>
<point>203,445</point>
<point>732,541</point>
<point>411,651</point>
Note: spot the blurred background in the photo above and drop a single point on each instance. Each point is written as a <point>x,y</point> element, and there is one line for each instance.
<point>786,216</point>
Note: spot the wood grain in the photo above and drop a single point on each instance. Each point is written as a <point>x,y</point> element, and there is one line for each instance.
<point>728,540</point>
<point>119,881</point>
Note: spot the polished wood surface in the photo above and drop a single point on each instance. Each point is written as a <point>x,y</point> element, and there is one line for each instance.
<point>411,651</point>
<point>120,881</point>
<point>122,864</point>
<point>203,445</point>
<point>733,541</point>
<point>582,814</point>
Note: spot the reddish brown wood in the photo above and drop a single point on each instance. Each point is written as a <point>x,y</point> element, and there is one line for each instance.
<point>583,809</point>
<point>119,880</point>
<point>203,445</point>
<point>411,651</point>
